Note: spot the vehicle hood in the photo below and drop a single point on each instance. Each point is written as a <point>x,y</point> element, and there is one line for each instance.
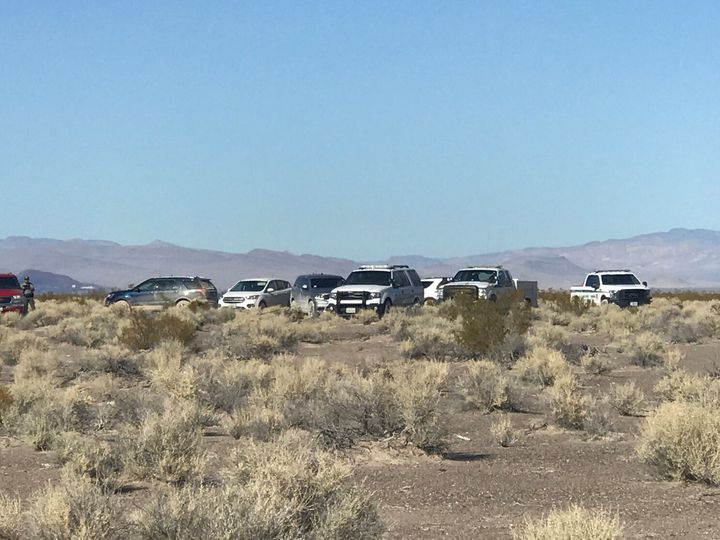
<point>11,292</point>
<point>120,293</point>
<point>241,294</point>
<point>478,284</point>
<point>361,288</point>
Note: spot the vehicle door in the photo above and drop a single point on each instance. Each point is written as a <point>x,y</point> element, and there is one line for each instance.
<point>284,292</point>
<point>402,288</point>
<point>503,285</point>
<point>417,290</point>
<point>167,292</point>
<point>592,283</point>
<point>143,294</point>
<point>298,292</point>
<point>271,293</point>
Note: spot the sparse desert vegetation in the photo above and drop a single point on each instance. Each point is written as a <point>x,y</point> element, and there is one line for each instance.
<point>464,419</point>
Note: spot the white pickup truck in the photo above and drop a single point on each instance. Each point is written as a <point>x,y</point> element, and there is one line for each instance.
<point>490,283</point>
<point>619,287</point>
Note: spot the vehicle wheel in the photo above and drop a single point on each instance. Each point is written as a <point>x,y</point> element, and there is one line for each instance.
<point>183,303</point>
<point>385,308</point>
<point>430,301</point>
<point>604,301</point>
<point>262,304</point>
<point>122,305</point>
<point>493,298</point>
<point>312,308</point>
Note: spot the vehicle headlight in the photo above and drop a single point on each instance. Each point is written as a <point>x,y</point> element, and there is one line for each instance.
<point>374,295</point>
<point>325,296</point>
<point>333,295</point>
<point>253,297</point>
<point>16,298</point>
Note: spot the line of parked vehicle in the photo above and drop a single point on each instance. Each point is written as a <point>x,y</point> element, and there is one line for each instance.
<point>376,287</point>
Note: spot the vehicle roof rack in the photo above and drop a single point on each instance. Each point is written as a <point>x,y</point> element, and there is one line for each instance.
<point>497,266</point>
<point>382,266</point>
<point>613,270</point>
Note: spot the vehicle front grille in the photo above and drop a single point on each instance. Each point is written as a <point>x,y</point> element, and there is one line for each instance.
<point>452,292</point>
<point>233,300</point>
<point>353,295</point>
<point>626,296</point>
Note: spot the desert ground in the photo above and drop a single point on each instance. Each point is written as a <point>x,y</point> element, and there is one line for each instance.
<point>452,421</point>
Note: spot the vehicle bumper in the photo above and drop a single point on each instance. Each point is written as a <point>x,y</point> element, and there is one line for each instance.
<point>12,308</point>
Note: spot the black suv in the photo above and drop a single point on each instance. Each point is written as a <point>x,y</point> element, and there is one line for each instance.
<point>311,292</point>
<point>166,291</point>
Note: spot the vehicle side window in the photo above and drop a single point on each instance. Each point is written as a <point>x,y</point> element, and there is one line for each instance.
<point>592,281</point>
<point>414,278</point>
<point>149,285</point>
<point>272,285</point>
<point>299,282</point>
<point>285,285</point>
<point>166,285</point>
<point>401,278</point>
<point>509,277</point>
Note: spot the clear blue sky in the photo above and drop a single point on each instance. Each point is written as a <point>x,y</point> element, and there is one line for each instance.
<point>359,129</point>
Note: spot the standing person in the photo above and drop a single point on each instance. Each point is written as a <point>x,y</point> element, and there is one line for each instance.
<point>28,294</point>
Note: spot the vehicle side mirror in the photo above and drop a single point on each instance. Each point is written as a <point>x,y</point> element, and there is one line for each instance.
<point>492,279</point>
<point>269,289</point>
<point>595,286</point>
<point>645,283</point>
<point>394,284</point>
<point>304,286</point>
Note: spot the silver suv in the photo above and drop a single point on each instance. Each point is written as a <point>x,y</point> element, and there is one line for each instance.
<point>377,287</point>
<point>311,292</point>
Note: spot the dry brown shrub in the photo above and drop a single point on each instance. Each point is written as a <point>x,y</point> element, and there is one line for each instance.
<point>503,432</point>
<point>682,440</point>
<point>418,392</point>
<point>256,421</point>
<point>598,420</point>
<point>90,457</point>
<point>367,316</point>
<point>75,509</point>
<point>12,346</point>
<point>166,446</point>
<point>594,364</point>
<point>485,386</point>
<point>287,489</point>
<point>542,366</point>
<point>574,523</point>
<point>568,405</point>
<point>11,518</point>
<point>679,385</point>
<point>6,401</point>
<point>645,349</point>
<point>627,399</point>
<point>167,370</point>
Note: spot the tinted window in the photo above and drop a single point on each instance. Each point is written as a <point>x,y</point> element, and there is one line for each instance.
<point>369,277</point>
<point>249,286</point>
<point>9,282</point>
<point>300,281</point>
<point>166,285</point>
<point>148,285</point>
<point>401,280</point>
<point>426,283</point>
<point>475,275</point>
<point>326,282</point>
<point>274,285</point>
<point>619,279</point>
<point>592,281</point>
<point>414,278</point>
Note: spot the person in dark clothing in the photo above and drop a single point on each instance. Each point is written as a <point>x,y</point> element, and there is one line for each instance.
<point>28,294</point>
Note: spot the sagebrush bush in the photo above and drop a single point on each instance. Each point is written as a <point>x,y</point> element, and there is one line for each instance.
<point>503,432</point>
<point>682,440</point>
<point>598,419</point>
<point>574,523</point>
<point>91,458</point>
<point>6,401</point>
<point>287,489</point>
<point>11,518</point>
<point>166,446</point>
<point>542,366</point>
<point>74,509</point>
<point>645,349</point>
<point>594,364</point>
<point>679,385</point>
<point>418,393</point>
<point>568,404</point>
<point>627,399</point>
<point>485,386</point>
<point>425,333</point>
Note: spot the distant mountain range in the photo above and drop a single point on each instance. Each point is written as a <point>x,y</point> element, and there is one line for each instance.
<point>679,258</point>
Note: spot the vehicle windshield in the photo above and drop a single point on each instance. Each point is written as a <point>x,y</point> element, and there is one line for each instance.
<point>619,279</point>
<point>325,282</point>
<point>369,277</point>
<point>475,275</point>
<point>249,286</point>
<point>9,282</point>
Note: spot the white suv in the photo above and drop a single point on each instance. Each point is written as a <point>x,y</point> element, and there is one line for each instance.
<point>377,287</point>
<point>260,292</point>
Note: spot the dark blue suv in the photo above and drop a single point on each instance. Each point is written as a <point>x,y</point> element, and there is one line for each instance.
<point>166,291</point>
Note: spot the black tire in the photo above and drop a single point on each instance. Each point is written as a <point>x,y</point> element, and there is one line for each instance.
<point>183,303</point>
<point>386,308</point>
<point>262,304</point>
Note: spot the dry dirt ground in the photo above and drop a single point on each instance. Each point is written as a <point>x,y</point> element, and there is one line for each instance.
<point>478,489</point>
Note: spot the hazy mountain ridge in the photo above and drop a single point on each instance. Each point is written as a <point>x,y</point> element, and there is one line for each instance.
<point>677,258</point>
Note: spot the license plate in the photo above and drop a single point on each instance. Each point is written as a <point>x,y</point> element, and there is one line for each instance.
<point>350,310</point>
<point>633,304</point>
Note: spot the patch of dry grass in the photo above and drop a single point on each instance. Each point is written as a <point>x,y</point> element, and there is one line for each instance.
<point>574,523</point>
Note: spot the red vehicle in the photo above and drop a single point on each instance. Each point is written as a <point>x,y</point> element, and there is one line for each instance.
<point>11,295</point>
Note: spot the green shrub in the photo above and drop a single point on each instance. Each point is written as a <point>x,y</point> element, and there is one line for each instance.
<point>146,330</point>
